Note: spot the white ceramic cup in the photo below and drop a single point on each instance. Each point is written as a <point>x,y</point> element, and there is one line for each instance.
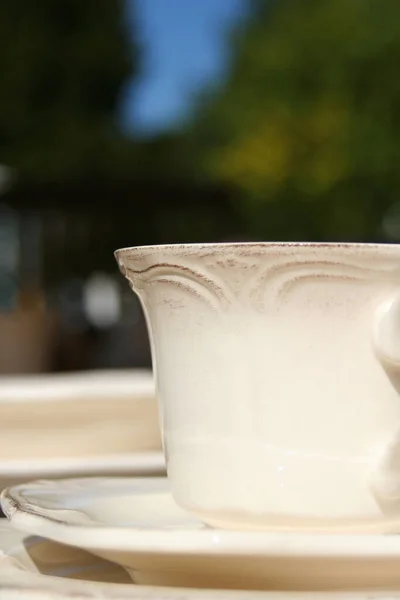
<point>278,372</point>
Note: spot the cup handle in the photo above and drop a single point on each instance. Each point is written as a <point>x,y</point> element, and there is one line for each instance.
<point>385,476</point>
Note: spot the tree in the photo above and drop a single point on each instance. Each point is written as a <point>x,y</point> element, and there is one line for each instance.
<point>307,126</point>
<point>63,66</point>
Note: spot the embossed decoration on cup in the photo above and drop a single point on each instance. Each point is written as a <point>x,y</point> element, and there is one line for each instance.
<point>278,371</point>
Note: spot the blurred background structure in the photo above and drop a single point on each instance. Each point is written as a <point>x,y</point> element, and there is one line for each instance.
<point>151,121</point>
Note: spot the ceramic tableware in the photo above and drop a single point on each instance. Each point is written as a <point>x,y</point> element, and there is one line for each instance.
<point>278,370</point>
<point>78,416</point>
<point>136,464</point>
<point>137,524</point>
<point>33,568</point>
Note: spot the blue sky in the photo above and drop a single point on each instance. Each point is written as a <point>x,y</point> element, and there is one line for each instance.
<point>184,48</point>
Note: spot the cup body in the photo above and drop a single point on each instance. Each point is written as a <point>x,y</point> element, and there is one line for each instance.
<point>275,403</point>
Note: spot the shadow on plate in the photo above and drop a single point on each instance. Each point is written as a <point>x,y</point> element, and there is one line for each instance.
<point>50,558</point>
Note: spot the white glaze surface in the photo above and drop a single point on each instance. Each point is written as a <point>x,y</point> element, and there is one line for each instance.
<point>33,568</point>
<point>13,472</point>
<point>278,373</point>
<point>137,524</point>
<point>94,385</point>
<point>78,415</point>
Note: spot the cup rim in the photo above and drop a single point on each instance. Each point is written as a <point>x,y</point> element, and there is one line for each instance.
<point>224,246</point>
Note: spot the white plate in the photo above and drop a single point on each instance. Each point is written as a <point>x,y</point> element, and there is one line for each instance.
<point>13,472</point>
<point>55,387</point>
<point>78,414</point>
<point>136,523</point>
<point>32,568</point>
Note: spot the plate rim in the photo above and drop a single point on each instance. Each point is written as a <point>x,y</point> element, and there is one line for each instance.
<point>50,466</point>
<point>18,582</point>
<point>208,540</point>
<point>95,385</point>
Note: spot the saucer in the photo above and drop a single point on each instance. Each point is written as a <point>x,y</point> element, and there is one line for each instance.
<point>33,568</point>
<point>136,524</point>
<point>13,472</point>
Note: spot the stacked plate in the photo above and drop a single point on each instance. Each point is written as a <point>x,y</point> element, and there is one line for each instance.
<point>37,569</point>
<point>54,426</point>
<point>96,423</point>
<point>126,538</point>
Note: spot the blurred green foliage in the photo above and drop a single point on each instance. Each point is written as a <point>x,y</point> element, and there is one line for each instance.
<point>307,125</point>
<point>63,69</point>
<point>63,66</point>
<point>302,136</point>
